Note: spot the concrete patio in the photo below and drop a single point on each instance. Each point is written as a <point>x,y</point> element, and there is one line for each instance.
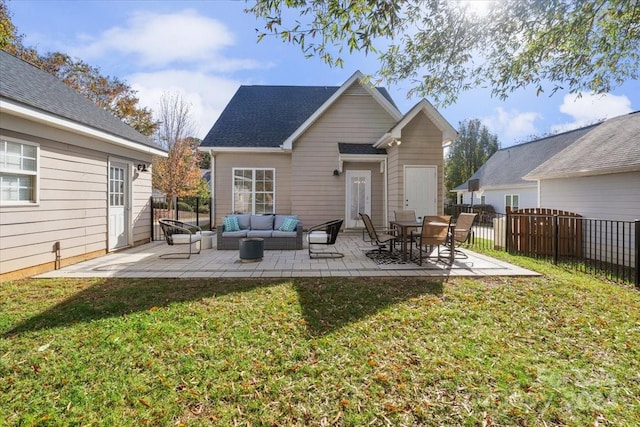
<point>145,262</point>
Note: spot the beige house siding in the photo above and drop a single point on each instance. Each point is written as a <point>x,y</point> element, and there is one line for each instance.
<point>421,145</point>
<point>316,194</point>
<point>73,200</point>
<point>141,206</point>
<point>224,163</point>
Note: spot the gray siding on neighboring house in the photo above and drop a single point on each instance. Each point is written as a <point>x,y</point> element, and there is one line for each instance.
<point>316,194</point>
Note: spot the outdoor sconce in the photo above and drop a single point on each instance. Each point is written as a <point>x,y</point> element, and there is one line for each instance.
<point>336,172</point>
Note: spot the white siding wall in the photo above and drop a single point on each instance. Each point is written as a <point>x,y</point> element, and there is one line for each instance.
<point>614,196</point>
<point>73,199</point>
<point>607,197</point>
<point>528,197</point>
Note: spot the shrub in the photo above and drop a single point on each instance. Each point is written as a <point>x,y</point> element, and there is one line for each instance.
<point>182,206</point>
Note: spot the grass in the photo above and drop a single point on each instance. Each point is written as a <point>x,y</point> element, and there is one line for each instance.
<point>562,349</point>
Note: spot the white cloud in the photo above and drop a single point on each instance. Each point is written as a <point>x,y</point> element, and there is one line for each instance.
<point>154,39</point>
<point>206,95</point>
<point>511,126</point>
<point>590,108</point>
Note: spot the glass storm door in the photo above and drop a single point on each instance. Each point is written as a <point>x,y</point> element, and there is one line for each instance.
<point>118,185</point>
<point>358,197</point>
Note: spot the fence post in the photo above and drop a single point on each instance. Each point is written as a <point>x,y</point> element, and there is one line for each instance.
<point>637,240</point>
<point>555,239</point>
<point>507,232</point>
<point>176,208</point>
<point>153,212</point>
<point>198,211</point>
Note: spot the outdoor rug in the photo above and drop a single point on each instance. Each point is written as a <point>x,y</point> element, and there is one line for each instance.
<point>393,261</point>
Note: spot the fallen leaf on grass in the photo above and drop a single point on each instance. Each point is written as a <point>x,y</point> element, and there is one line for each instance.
<point>144,402</point>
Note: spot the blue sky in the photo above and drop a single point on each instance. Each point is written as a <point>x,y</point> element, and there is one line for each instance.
<point>204,50</point>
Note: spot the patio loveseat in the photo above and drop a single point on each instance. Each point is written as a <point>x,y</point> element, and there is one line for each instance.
<point>278,231</point>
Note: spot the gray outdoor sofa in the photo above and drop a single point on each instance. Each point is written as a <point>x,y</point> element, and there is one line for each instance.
<point>268,227</point>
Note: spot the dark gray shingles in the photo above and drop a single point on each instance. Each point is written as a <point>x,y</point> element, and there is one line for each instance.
<point>265,116</point>
<point>509,165</point>
<point>26,84</point>
<point>612,146</point>
<point>345,148</point>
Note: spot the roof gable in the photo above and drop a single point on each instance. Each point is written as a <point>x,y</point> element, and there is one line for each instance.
<point>448,132</point>
<point>356,78</point>
<point>273,117</point>
<point>612,147</point>
<point>507,166</point>
<point>29,88</point>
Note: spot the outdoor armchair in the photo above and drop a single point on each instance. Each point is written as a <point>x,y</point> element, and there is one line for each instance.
<point>434,232</point>
<point>463,231</point>
<point>181,233</point>
<point>380,240</point>
<point>324,234</point>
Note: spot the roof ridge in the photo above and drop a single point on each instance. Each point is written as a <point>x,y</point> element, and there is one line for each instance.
<point>553,136</point>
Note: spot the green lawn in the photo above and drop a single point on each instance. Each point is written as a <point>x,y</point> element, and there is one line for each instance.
<point>563,349</point>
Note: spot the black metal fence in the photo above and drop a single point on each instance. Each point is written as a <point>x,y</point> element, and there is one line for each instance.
<point>192,210</point>
<point>607,248</point>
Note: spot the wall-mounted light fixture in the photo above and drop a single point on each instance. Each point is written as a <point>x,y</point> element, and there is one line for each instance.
<point>142,167</point>
<point>336,172</point>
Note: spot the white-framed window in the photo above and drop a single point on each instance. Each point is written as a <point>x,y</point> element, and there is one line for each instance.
<point>483,200</point>
<point>511,201</point>
<point>19,167</point>
<point>254,190</point>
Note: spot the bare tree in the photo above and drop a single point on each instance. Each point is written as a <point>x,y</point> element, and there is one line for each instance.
<point>179,174</point>
<point>175,120</point>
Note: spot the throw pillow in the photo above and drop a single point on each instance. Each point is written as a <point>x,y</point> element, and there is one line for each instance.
<point>289,224</point>
<point>231,223</point>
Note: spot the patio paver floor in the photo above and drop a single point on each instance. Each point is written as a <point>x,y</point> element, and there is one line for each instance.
<point>144,262</point>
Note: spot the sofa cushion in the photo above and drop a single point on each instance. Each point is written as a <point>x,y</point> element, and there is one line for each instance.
<point>244,221</point>
<point>259,233</point>
<point>262,222</point>
<point>279,219</point>
<point>289,224</point>
<point>231,223</point>
<point>278,233</point>
<point>239,233</point>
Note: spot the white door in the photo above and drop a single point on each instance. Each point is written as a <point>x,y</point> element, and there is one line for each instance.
<point>118,201</point>
<point>358,197</point>
<point>421,190</point>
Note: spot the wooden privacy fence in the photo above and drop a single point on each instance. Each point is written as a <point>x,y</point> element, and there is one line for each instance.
<point>545,232</point>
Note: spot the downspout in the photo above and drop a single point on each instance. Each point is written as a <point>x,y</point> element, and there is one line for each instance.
<point>386,193</point>
<point>212,203</point>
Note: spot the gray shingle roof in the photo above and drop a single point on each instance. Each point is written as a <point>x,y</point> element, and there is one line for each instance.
<point>614,146</point>
<point>265,116</point>
<point>26,84</point>
<point>509,165</point>
<point>346,148</point>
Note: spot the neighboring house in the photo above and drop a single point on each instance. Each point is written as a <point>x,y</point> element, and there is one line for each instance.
<point>326,152</point>
<point>500,179</point>
<point>598,176</point>
<point>75,181</point>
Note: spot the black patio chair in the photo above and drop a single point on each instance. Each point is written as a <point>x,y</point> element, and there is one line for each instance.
<point>380,240</point>
<point>180,233</point>
<point>324,235</point>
